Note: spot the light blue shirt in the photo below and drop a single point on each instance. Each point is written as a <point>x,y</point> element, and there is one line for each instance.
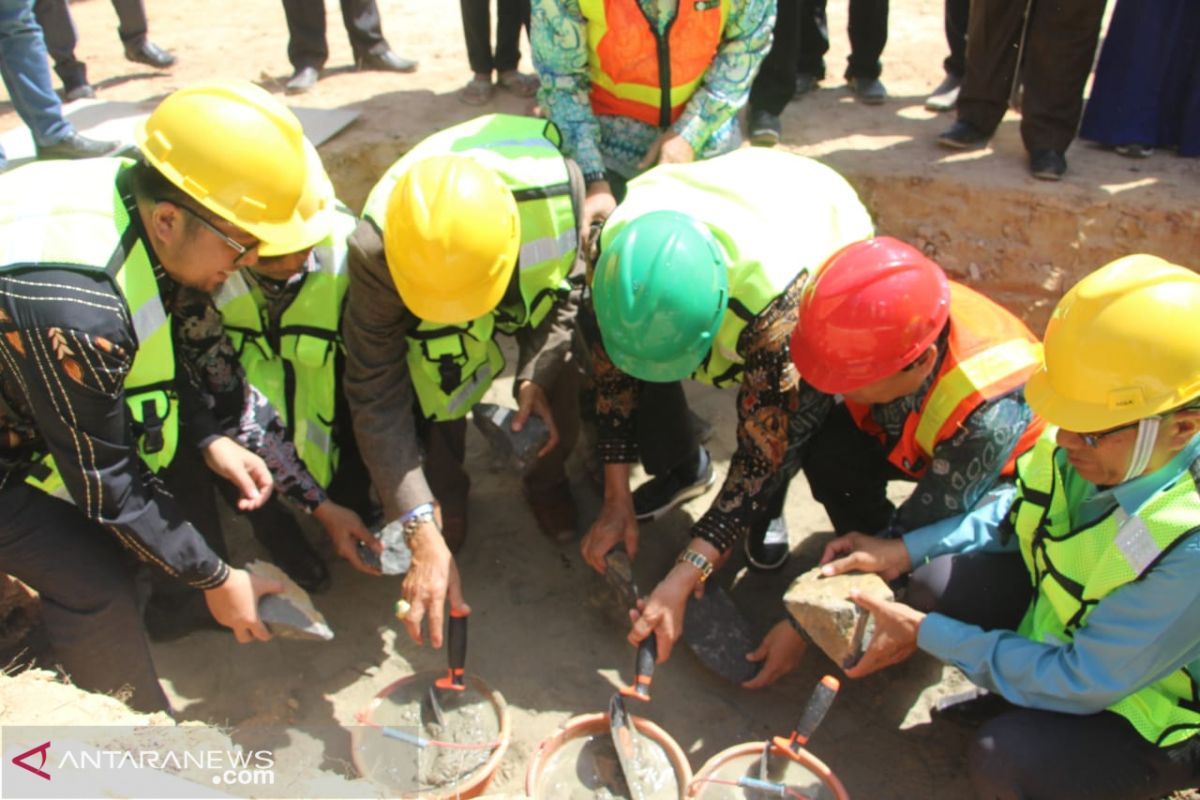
<point>1142,632</point>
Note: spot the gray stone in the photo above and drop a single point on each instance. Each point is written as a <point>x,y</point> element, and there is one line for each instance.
<point>518,447</point>
<point>720,635</point>
<point>832,620</point>
<point>289,614</point>
<point>395,558</point>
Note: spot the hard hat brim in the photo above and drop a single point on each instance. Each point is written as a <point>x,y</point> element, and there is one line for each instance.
<point>1073,415</point>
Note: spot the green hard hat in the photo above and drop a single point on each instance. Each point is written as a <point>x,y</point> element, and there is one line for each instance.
<point>660,289</point>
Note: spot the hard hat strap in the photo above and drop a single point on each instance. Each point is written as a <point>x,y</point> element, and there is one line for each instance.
<point>1143,447</point>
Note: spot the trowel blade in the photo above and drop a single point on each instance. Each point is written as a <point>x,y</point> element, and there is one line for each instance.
<point>439,716</point>
<point>283,618</point>
<point>720,636</point>
<point>624,737</point>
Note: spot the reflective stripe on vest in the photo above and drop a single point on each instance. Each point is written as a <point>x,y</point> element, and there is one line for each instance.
<point>990,354</point>
<point>452,375</point>
<point>640,73</point>
<point>1074,569</point>
<point>92,232</point>
<point>300,379</point>
<point>769,233</point>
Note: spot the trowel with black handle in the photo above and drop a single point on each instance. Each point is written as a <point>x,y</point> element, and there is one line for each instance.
<point>814,712</point>
<point>456,652</point>
<point>624,735</point>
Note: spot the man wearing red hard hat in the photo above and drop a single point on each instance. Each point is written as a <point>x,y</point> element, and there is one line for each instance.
<point>930,375</point>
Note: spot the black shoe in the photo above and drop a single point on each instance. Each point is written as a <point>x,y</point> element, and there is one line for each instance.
<point>304,79</point>
<point>945,96</point>
<point>769,551</point>
<point>764,127</point>
<point>963,136</point>
<point>76,146</point>
<point>80,91</point>
<point>660,494</point>
<point>1047,165</point>
<point>805,83</point>
<point>869,91</point>
<point>147,52</point>
<point>387,61</point>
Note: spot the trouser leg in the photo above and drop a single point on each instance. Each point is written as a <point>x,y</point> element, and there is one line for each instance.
<point>993,36</point>
<point>131,21</point>
<point>85,582</point>
<point>550,471</point>
<point>847,471</point>
<point>477,31</point>
<point>991,590</point>
<point>306,33</point>
<point>363,27</point>
<point>957,17</point>
<point>776,80</point>
<point>868,36</point>
<point>61,38</point>
<point>813,33</point>
<point>445,449</point>
<point>664,433</point>
<point>511,16</point>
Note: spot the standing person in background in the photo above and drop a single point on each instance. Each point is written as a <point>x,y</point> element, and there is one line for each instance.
<point>776,83</point>
<point>511,16</point>
<point>61,39</point>
<point>957,17</point>
<point>1147,88</point>
<point>26,74</point>
<point>308,50</point>
<point>868,30</point>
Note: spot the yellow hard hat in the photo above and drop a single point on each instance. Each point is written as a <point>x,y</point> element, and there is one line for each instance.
<point>237,151</point>
<point>451,238</point>
<point>1120,346</point>
<point>317,208</point>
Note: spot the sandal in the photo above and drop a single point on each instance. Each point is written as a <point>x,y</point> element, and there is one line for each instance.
<point>519,83</point>
<point>477,91</point>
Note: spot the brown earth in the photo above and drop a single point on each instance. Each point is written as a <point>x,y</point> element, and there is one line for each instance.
<point>534,635</point>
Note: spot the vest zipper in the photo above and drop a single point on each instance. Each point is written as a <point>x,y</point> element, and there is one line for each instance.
<point>664,71</point>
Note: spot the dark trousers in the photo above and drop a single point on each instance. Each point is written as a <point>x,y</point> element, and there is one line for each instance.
<point>306,30</point>
<point>847,470</point>
<point>85,581</point>
<point>1026,753</point>
<point>1060,43</point>
<point>61,36</point>
<point>775,83</point>
<point>868,29</point>
<point>511,16</point>
<point>957,18</point>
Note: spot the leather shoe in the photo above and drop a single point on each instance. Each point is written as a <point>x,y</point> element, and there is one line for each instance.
<point>963,136</point>
<point>554,510</point>
<point>868,91</point>
<point>1047,165</point>
<point>304,79</point>
<point>76,146</point>
<point>387,61</point>
<point>147,52</point>
<point>79,91</point>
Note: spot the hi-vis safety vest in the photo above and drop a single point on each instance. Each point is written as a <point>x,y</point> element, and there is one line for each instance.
<point>990,354</point>
<point>295,366</point>
<point>452,366</point>
<point>90,228</point>
<point>1073,569</point>
<point>638,72</point>
<point>769,232</point>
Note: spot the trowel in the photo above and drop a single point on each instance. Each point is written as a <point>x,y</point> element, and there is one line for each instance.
<point>814,712</point>
<point>456,653</point>
<point>624,735</point>
<point>719,635</point>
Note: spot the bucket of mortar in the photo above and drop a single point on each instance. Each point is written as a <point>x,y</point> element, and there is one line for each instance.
<point>399,745</point>
<point>579,761</point>
<point>803,774</point>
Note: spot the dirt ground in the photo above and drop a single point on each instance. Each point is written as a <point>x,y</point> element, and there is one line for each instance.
<point>533,634</point>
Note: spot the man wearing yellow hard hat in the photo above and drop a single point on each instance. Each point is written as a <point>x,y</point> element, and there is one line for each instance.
<point>268,352</point>
<point>92,254</point>
<point>1096,662</point>
<point>472,233</point>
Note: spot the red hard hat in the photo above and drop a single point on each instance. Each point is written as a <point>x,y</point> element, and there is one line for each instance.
<point>872,310</point>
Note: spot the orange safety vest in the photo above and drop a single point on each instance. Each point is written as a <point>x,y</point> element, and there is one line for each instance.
<point>638,73</point>
<point>990,354</point>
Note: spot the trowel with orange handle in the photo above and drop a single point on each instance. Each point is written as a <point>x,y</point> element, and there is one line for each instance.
<point>814,712</point>
<point>624,735</point>
<point>456,653</point>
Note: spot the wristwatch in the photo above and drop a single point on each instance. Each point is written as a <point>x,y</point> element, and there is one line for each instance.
<point>697,560</point>
<point>415,519</point>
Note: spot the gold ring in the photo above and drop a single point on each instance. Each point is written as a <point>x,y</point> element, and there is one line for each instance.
<point>402,609</point>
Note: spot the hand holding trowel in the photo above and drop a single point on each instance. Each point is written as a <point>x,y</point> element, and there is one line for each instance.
<point>624,735</point>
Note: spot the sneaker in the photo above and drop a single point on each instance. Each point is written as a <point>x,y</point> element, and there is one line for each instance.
<point>769,553</point>
<point>1134,150</point>
<point>764,127</point>
<point>869,91</point>
<point>945,96</point>
<point>1047,165</point>
<point>662,493</point>
<point>963,136</point>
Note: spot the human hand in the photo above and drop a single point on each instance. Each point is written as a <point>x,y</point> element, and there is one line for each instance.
<point>234,604</point>
<point>895,637</point>
<point>242,468</point>
<point>664,610</point>
<point>616,524</point>
<point>668,148</point>
<point>431,579</point>
<point>780,652</point>
<point>598,203</point>
<point>531,399</point>
<point>858,552</point>
<point>345,529</point>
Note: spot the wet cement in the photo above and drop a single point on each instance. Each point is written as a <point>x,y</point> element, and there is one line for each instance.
<point>799,780</point>
<point>586,768</point>
<point>470,717</point>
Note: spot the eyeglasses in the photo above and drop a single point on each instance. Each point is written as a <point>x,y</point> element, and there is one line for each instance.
<point>235,245</point>
<point>1092,440</point>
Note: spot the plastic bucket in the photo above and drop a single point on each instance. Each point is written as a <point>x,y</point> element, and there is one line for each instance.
<point>586,725</point>
<point>718,773</point>
<point>396,764</point>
